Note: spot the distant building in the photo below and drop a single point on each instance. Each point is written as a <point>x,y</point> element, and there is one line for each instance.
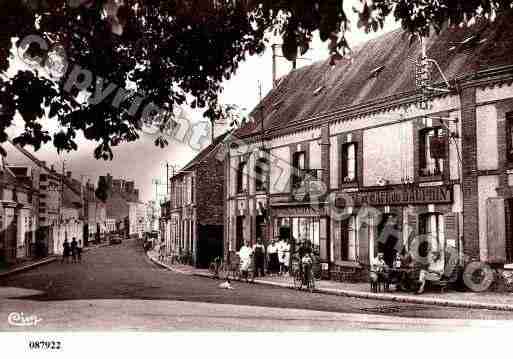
<point>123,205</point>
<point>95,215</point>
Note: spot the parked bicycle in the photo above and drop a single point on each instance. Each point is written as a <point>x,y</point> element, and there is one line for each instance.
<point>216,267</point>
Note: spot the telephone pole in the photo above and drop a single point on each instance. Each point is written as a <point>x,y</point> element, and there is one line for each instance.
<point>61,194</point>
<point>168,188</point>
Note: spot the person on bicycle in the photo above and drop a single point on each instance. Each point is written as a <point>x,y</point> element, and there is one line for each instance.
<point>305,256</point>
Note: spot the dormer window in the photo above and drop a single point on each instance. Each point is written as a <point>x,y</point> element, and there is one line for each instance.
<point>375,72</point>
<point>318,90</point>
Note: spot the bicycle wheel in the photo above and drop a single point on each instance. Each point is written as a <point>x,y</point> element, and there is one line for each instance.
<point>251,275</point>
<point>212,268</point>
<point>298,281</point>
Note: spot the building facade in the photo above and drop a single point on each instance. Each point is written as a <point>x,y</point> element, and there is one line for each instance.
<point>18,217</point>
<point>351,158</point>
<point>192,220</point>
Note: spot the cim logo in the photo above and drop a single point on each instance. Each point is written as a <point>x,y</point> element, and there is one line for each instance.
<point>19,319</point>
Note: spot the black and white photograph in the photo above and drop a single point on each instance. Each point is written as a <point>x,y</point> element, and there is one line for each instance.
<point>242,178</point>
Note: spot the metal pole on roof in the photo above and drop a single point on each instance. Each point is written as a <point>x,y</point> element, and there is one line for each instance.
<point>273,47</point>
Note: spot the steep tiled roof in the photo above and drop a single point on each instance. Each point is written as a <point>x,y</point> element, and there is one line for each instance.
<point>205,153</point>
<point>460,52</point>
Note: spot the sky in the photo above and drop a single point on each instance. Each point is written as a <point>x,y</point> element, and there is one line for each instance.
<point>145,163</point>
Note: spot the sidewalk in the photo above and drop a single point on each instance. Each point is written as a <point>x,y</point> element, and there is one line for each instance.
<point>29,264</point>
<point>26,265</point>
<point>486,300</point>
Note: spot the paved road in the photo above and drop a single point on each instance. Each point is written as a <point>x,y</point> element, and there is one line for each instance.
<point>117,287</point>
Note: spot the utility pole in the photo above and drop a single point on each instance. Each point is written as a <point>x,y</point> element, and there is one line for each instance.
<point>156,182</point>
<point>61,194</point>
<point>168,188</point>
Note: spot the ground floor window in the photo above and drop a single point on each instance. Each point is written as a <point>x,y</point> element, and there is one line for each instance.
<point>388,237</point>
<point>432,226</point>
<point>349,239</point>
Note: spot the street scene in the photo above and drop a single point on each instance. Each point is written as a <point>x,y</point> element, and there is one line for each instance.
<point>256,166</point>
<point>119,288</point>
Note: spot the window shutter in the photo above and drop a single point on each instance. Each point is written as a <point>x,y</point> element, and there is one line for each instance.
<point>496,239</point>
<point>451,227</point>
<point>343,163</point>
<point>363,243</point>
<point>451,239</point>
<point>422,150</point>
<point>337,248</point>
<point>344,239</point>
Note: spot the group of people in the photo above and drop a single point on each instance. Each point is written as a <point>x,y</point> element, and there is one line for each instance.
<point>380,270</point>
<point>273,260</point>
<point>73,250</point>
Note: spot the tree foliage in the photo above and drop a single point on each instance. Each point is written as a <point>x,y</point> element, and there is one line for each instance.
<point>168,51</point>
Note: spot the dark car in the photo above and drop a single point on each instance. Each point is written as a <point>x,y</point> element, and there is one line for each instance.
<point>115,239</point>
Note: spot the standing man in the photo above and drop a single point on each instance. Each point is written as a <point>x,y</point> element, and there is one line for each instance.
<point>65,251</point>
<point>259,255</point>
<point>79,251</point>
<point>272,252</point>
<point>74,250</point>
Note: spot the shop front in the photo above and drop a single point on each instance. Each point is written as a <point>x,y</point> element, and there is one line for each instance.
<point>301,223</point>
<point>393,220</point>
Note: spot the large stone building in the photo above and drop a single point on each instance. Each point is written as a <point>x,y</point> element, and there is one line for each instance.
<point>329,143</point>
<point>124,207</point>
<point>192,220</point>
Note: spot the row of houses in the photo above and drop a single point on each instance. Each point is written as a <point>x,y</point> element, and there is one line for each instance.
<point>41,207</point>
<point>338,155</point>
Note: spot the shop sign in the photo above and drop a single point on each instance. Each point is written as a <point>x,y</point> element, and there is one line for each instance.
<point>300,211</point>
<point>399,196</point>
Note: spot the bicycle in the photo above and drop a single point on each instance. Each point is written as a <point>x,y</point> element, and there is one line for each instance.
<point>216,266</point>
<point>299,277</point>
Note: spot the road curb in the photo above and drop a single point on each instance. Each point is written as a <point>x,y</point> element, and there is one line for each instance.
<point>365,295</point>
<point>390,297</point>
<point>28,266</point>
<point>159,263</point>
